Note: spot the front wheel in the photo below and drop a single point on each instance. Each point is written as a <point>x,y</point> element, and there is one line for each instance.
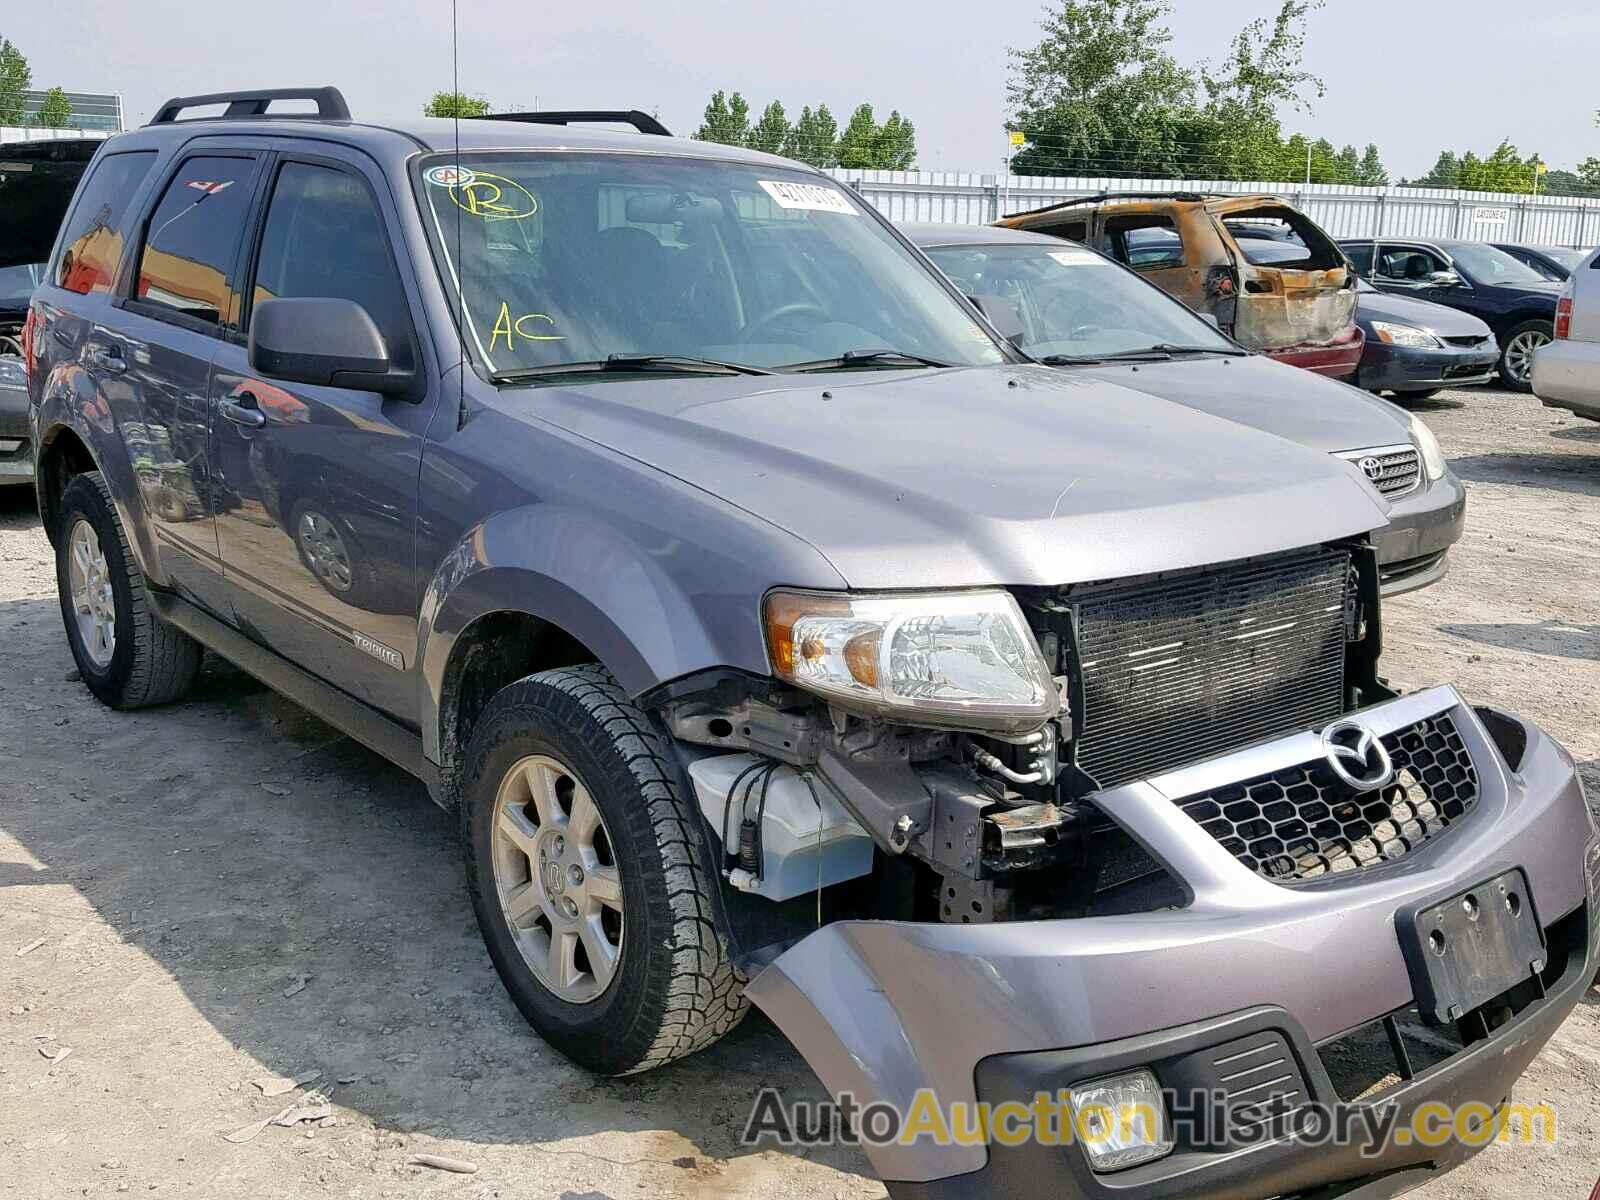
<point>590,878</point>
<point>1516,359</point>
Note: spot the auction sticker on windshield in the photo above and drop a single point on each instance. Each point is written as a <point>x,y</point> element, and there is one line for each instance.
<point>809,196</point>
<point>449,177</point>
<point>1074,256</point>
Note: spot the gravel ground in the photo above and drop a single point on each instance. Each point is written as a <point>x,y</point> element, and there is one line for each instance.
<point>228,890</point>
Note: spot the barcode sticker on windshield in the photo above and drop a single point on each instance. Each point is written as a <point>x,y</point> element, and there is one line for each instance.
<point>808,195</point>
<point>1076,257</point>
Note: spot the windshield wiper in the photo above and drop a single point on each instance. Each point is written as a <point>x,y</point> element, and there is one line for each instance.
<point>676,364</point>
<point>1161,350</point>
<point>866,358</point>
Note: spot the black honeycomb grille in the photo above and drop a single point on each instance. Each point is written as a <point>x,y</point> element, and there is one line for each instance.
<point>1304,822</point>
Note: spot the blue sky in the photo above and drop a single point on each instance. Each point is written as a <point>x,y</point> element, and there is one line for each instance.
<point>1412,75</point>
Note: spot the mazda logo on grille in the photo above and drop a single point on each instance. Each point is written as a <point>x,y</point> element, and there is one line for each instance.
<point>1356,756</point>
<point>1371,468</point>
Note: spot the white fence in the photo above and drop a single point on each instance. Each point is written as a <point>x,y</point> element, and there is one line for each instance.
<point>32,133</point>
<point>1344,211</point>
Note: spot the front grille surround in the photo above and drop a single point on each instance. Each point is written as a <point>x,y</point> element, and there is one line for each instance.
<point>1468,341</point>
<point>1303,823</point>
<point>1394,470</point>
<point>1175,671</point>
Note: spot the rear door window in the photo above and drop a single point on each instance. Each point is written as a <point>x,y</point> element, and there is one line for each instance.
<point>186,268</point>
<point>1145,243</point>
<point>1361,258</point>
<point>324,238</point>
<point>92,242</point>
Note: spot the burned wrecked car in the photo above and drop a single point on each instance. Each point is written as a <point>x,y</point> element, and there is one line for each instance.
<point>1262,269</point>
<point>780,635</point>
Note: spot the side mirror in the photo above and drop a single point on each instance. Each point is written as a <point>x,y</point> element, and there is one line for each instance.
<point>324,342</point>
<point>1003,315</point>
<point>1445,279</point>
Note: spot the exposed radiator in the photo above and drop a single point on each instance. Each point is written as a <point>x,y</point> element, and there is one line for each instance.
<point>1181,670</point>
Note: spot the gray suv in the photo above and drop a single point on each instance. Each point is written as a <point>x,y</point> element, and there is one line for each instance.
<point>781,635</point>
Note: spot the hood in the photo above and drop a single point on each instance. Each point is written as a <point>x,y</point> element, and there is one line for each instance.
<point>961,477</point>
<point>1302,406</point>
<point>1424,314</point>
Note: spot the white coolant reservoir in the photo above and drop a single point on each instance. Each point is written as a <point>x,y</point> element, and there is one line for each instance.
<point>806,842</point>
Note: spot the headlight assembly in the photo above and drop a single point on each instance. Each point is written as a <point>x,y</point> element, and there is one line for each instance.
<point>960,659</point>
<point>1428,447</point>
<point>1405,335</point>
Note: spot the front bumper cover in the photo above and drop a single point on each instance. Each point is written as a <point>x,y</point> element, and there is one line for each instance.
<point>1386,368</point>
<point>883,1010</point>
<point>1422,528</point>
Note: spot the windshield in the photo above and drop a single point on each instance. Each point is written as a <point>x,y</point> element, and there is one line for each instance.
<point>1492,266</point>
<point>1570,259</point>
<point>575,258</point>
<point>1074,302</point>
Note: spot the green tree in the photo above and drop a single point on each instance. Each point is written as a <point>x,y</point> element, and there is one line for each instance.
<point>814,138</point>
<point>1100,93</point>
<point>771,131</point>
<point>1503,171</point>
<point>727,120</point>
<point>858,144</point>
<point>456,104</point>
<point>1445,173</point>
<point>1324,162</point>
<point>55,110</point>
<point>897,144</point>
<point>1371,172</point>
<point>1348,165</point>
<point>16,77</point>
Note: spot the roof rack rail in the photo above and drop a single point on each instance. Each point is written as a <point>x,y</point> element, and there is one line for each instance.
<point>642,121</point>
<point>330,102</point>
<point>1099,196</point>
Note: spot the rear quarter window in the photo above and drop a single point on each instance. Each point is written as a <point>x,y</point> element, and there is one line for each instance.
<point>91,244</point>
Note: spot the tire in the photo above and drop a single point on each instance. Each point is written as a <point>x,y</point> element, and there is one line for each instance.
<point>1420,394</point>
<point>671,989</point>
<point>147,661</point>
<point>1517,349</point>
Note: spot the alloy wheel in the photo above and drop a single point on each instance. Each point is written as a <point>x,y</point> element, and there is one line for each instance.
<point>94,602</point>
<point>1520,351</point>
<point>557,879</point>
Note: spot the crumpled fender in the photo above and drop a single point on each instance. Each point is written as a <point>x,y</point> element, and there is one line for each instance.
<point>635,605</point>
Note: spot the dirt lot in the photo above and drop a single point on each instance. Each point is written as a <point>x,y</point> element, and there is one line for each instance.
<point>228,890</point>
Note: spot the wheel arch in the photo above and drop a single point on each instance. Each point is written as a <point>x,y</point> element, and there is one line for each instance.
<point>62,454</point>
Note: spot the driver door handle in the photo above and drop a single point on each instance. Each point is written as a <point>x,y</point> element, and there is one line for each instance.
<point>106,358</point>
<point>243,410</point>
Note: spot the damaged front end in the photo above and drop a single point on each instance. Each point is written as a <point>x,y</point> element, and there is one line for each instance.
<point>936,904</point>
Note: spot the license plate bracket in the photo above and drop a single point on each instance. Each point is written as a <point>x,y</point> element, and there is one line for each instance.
<point>1471,946</point>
